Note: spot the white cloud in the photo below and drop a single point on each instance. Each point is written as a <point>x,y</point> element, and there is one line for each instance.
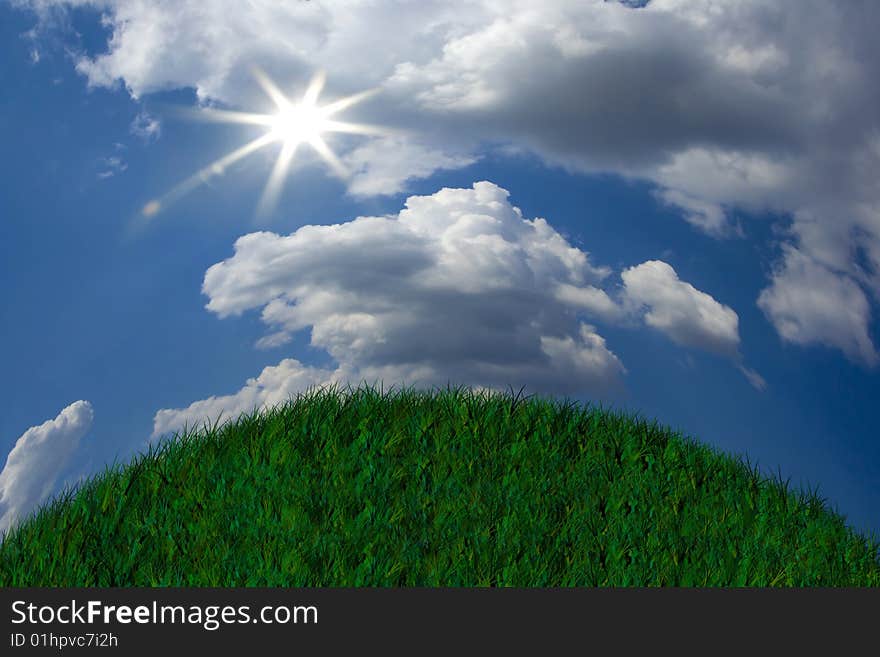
<point>111,166</point>
<point>273,340</point>
<point>688,316</point>
<point>808,303</point>
<point>753,105</point>
<point>272,386</point>
<point>145,126</point>
<point>453,288</point>
<point>708,217</point>
<point>37,459</point>
<point>382,166</point>
<point>755,380</point>
<point>590,298</point>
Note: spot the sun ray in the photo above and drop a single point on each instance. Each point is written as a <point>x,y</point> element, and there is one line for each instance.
<point>354,128</point>
<point>271,90</point>
<point>329,156</point>
<point>344,103</point>
<point>272,190</point>
<point>316,86</point>
<point>218,166</point>
<point>229,116</point>
<point>203,175</point>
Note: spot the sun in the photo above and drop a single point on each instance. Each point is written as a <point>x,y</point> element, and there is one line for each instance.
<point>298,124</point>
<point>292,124</point>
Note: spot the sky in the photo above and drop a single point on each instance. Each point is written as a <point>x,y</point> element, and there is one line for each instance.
<point>669,208</point>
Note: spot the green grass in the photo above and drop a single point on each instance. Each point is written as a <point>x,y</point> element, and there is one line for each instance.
<point>444,488</point>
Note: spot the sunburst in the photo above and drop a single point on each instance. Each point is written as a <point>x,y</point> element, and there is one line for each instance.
<point>293,124</point>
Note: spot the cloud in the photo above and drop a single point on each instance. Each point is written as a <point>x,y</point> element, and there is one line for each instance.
<point>273,340</point>
<point>683,313</point>
<point>590,298</point>
<point>451,289</point>
<point>37,459</point>
<point>454,288</point>
<point>145,126</point>
<point>755,380</point>
<point>686,315</point>
<point>754,106</point>
<point>111,166</point>
<point>272,386</point>
<point>383,166</point>
<point>809,303</point>
<point>708,217</point>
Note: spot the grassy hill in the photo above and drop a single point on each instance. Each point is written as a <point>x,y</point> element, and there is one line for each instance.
<point>360,487</point>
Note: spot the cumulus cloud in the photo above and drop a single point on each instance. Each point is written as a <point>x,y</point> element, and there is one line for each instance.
<point>382,166</point>
<point>273,386</point>
<point>707,216</point>
<point>756,105</point>
<point>809,303</point>
<point>590,298</point>
<point>457,287</point>
<point>686,315</point>
<point>451,289</point>
<point>37,459</point>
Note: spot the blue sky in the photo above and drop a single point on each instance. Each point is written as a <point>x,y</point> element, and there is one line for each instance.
<point>709,259</point>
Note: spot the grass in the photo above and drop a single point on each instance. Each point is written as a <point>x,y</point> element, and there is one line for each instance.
<point>444,488</point>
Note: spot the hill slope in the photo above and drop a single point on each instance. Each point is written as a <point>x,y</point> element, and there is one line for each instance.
<point>447,488</point>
